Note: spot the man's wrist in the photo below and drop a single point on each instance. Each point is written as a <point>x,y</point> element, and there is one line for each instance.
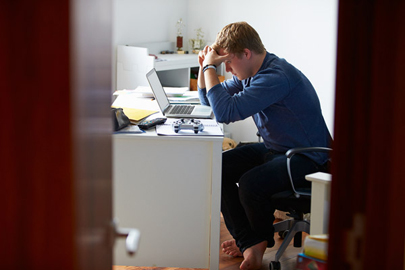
<point>206,67</point>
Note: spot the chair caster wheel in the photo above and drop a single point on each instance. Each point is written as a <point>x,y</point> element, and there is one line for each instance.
<point>283,234</point>
<point>274,265</point>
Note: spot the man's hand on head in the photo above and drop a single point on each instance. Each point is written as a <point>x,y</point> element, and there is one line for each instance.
<point>211,57</point>
<point>201,57</point>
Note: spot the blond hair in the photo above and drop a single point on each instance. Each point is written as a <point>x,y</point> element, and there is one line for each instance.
<point>236,37</point>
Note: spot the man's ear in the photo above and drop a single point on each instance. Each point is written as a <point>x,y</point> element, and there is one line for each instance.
<point>247,53</point>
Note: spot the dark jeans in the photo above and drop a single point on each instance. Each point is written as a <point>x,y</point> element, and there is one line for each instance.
<point>246,209</point>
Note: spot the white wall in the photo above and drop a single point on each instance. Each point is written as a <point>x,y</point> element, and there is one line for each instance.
<point>139,21</point>
<point>146,21</point>
<point>302,32</point>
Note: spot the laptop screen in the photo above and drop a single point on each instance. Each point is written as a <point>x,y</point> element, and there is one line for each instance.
<point>157,89</point>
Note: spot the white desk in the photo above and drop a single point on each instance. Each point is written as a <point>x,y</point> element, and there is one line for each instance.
<point>320,202</point>
<point>169,188</point>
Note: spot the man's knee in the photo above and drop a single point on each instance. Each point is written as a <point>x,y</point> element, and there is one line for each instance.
<point>248,187</point>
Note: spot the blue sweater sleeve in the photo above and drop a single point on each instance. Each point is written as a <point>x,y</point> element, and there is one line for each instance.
<point>202,94</point>
<point>283,103</point>
<point>235,100</point>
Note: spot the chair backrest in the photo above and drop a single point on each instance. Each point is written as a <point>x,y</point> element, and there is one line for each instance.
<point>290,153</point>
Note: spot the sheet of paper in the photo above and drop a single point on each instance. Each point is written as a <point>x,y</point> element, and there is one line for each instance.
<point>185,100</point>
<point>188,97</point>
<point>211,128</point>
<point>136,101</point>
<point>146,91</point>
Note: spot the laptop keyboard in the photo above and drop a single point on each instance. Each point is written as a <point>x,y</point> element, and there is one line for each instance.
<point>181,109</point>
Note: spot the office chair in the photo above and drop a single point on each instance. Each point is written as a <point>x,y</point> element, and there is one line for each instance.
<point>297,202</point>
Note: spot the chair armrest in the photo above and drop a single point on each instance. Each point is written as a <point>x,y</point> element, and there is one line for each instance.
<point>290,153</point>
<point>294,151</point>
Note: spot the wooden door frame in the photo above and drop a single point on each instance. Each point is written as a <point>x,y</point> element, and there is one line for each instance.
<point>55,139</point>
<point>368,186</point>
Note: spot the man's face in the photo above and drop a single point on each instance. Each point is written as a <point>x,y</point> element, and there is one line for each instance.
<point>237,65</point>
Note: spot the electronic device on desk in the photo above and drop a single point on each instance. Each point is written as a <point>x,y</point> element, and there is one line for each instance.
<point>147,124</point>
<point>192,124</point>
<point>172,110</point>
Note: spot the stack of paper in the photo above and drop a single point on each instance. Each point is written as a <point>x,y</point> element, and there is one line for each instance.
<point>189,97</point>
<point>136,115</point>
<point>308,263</point>
<point>135,107</point>
<point>315,253</point>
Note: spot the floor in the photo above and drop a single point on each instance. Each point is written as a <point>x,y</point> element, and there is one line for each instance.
<point>288,260</point>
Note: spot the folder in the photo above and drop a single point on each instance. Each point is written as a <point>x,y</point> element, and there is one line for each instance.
<point>136,114</point>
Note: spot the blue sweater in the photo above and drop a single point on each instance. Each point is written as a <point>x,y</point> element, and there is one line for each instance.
<point>282,102</point>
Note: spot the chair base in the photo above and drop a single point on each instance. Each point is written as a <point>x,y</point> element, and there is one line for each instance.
<point>295,228</point>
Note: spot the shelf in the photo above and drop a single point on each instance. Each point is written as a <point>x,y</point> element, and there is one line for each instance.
<point>134,62</point>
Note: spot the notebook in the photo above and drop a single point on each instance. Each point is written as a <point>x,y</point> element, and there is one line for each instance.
<point>175,110</point>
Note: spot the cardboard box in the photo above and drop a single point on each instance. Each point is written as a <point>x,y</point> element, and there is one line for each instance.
<point>193,83</point>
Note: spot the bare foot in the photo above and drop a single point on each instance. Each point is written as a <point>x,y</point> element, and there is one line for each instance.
<point>253,256</point>
<point>229,247</point>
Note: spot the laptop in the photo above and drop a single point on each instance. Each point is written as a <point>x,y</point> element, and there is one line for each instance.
<point>175,110</point>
